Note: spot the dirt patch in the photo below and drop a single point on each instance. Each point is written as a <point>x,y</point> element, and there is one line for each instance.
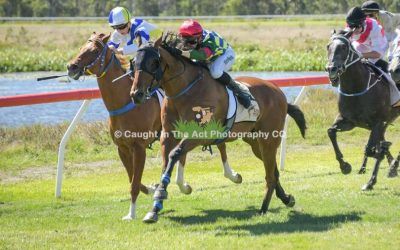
<point>49,172</point>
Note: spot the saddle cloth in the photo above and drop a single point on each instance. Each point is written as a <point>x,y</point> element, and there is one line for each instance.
<point>242,114</point>
<point>394,91</point>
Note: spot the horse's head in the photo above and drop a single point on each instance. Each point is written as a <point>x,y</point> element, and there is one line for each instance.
<point>341,55</point>
<point>148,73</point>
<point>394,66</point>
<point>86,62</point>
<point>151,62</point>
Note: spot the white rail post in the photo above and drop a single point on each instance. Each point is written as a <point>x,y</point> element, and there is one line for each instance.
<point>298,99</point>
<point>64,140</point>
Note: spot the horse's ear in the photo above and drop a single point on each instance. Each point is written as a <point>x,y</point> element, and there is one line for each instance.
<point>348,34</point>
<point>158,42</point>
<point>93,34</point>
<point>105,38</point>
<point>333,32</point>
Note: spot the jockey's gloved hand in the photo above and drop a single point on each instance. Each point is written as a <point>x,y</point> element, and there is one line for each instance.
<point>173,50</point>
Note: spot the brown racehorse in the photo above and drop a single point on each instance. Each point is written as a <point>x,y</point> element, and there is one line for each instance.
<point>188,85</point>
<point>95,58</point>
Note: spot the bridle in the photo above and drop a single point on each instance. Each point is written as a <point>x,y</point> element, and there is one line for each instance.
<point>158,73</point>
<point>352,57</point>
<point>101,57</point>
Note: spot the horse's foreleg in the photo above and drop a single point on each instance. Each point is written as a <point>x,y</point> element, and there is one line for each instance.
<point>138,157</point>
<point>340,125</point>
<point>168,142</point>
<point>371,149</point>
<point>184,187</point>
<point>228,171</point>
<point>378,149</point>
<point>380,154</point>
<point>367,152</point>
<point>127,161</point>
<point>393,167</point>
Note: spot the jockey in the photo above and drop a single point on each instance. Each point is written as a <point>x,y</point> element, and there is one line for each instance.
<point>368,37</point>
<point>209,47</point>
<point>390,22</point>
<point>369,40</point>
<point>127,31</point>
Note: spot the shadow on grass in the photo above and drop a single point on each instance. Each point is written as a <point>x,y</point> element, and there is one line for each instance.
<point>297,221</point>
<point>211,216</point>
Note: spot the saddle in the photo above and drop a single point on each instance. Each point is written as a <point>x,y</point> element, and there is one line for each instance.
<point>241,113</point>
<point>374,69</point>
<point>237,112</point>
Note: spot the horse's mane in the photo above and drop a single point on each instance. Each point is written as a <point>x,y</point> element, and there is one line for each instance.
<point>123,60</point>
<point>343,32</point>
<point>172,40</point>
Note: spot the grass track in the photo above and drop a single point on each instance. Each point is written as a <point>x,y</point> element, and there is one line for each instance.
<point>331,211</point>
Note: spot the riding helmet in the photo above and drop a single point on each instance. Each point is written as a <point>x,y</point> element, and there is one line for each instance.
<point>190,28</point>
<point>119,16</point>
<point>370,6</point>
<point>355,17</point>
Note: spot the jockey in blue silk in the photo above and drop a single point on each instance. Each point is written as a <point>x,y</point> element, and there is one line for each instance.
<point>209,47</point>
<point>127,31</point>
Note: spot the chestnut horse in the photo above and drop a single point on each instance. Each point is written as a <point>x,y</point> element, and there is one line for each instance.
<point>126,118</point>
<point>189,85</point>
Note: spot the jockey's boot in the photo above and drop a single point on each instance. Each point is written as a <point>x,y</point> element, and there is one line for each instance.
<point>383,65</point>
<point>243,96</point>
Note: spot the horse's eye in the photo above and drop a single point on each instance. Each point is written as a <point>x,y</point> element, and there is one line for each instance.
<point>156,64</point>
<point>152,66</point>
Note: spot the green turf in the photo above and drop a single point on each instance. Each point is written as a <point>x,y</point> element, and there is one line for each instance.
<point>331,211</point>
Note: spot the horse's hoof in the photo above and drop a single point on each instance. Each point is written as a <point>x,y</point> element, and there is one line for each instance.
<point>362,171</point>
<point>186,189</point>
<point>160,194</point>
<point>128,217</point>
<point>238,179</point>
<point>345,168</point>
<point>291,202</point>
<point>367,187</point>
<point>151,217</point>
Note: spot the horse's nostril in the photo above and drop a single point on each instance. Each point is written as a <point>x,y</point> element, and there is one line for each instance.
<point>71,66</point>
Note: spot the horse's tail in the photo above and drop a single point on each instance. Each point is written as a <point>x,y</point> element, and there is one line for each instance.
<point>298,116</point>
